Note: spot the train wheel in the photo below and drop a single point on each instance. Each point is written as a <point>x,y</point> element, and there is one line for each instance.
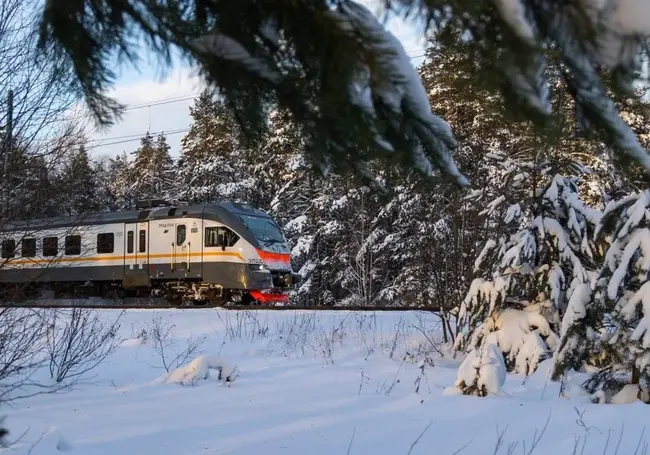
<point>249,300</point>
<point>216,301</point>
<point>175,301</point>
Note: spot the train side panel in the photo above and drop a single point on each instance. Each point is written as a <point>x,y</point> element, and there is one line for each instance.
<point>190,248</point>
<point>136,257</point>
<point>176,249</point>
<point>85,253</point>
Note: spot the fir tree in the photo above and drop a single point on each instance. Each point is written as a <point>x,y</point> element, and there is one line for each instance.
<point>528,275</point>
<point>214,164</point>
<point>29,186</point>
<point>616,314</point>
<point>77,185</point>
<point>119,187</point>
<point>104,179</point>
<point>280,168</point>
<point>151,171</point>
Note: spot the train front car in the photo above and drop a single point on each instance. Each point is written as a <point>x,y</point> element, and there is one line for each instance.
<point>265,250</point>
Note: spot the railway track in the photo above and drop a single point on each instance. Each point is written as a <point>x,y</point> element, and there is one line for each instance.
<point>157,305</point>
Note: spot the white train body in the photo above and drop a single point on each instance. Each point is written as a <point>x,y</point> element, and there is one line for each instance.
<point>198,251</point>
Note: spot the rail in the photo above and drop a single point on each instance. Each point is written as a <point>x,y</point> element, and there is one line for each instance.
<point>167,306</point>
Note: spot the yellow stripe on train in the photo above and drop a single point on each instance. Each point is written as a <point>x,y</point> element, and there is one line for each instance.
<point>121,258</point>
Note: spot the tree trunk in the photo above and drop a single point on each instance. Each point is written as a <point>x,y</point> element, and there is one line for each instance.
<point>636,375</point>
<point>443,321</point>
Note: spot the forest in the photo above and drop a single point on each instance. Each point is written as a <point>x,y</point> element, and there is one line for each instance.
<point>545,254</point>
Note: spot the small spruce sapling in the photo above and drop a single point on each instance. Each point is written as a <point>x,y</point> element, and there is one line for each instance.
<point>535,272</point>
<point>621,292</point>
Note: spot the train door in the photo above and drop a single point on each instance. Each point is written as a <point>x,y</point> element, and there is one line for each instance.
<point>136,255</point>
<point>181,250</point>
<point>187,249</point>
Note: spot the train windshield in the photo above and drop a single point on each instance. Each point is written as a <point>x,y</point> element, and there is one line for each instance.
<point>264,229</point>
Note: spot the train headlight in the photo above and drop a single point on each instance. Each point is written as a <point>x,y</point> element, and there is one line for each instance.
<point>257,267</point>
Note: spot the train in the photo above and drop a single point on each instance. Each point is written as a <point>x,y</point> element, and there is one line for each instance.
<point>200,254</point>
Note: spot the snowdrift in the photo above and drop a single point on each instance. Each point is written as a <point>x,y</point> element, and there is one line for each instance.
<point>198,370</point>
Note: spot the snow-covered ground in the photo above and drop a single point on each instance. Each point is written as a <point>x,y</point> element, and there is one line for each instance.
<point>306,383</point>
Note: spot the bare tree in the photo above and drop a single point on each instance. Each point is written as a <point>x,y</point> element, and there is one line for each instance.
<point>40,84</point>
<point>38,128</point>
<point>78,341</point>
<point>39,117</point>
<point>22,333</point>
<point>161,336</point>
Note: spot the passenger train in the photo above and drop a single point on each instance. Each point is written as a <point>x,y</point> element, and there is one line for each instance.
<point>210,253</point>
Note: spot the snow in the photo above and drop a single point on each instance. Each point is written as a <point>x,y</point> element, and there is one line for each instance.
<point>514,13</point>
<point>577,308</point>
<point>489,246</point>
<point>639,239</point>
<point>485,369</point>
<point>518,333</point>
<point>627,18</point>
<point>223,46</point>
<point>313,382</point>
<point>627,395</point>
<point>402,94</point>
<point>629,312</point>
<point>199,369</point>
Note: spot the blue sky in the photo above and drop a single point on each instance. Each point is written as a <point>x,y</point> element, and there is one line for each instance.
<point>161,104</point>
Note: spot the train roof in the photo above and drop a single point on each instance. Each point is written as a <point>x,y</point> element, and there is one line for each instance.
<point>222,212</point>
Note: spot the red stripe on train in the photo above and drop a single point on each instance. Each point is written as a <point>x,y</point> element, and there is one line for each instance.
<point>274,257</point>
<point>269,297</point>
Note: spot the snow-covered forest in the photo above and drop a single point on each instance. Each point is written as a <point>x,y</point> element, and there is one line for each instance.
<point>545,256</point>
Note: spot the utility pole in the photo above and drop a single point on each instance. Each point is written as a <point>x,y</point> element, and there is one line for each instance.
<point>7,150</point>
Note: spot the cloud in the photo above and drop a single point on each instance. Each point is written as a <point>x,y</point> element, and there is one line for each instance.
<point>163,106</point>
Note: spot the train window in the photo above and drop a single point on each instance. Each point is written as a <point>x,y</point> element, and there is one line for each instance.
<point>8,248</point>
<point>181,234</point>
<point>129,242</point>
<point>142,241</point>
<point>220,236</point>
<point>28,248</point>
<point>105,243</point>
<point>73,245</point>
<point>50,246</point>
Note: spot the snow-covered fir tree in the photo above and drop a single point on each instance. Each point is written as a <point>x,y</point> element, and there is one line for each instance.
<point>364,249</point>
<point>152,169</point>
<point>118,183</point>
<point>214,164</point>
<point>509,164</point>
<point>435,230</point>
<point>528,275</point>
<point>280,168</point>
<point>374,98</point>
<point>29,185</point>
<point>106,172</point>
<point>321,244</point>
<point>76,184</point>
<point>296,187</point>
<point>609,325</point>
<point>148,175</point>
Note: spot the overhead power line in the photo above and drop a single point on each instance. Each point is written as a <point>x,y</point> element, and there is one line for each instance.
<point>177,99</point>
<point>134,137</point>
<point>116,140</point>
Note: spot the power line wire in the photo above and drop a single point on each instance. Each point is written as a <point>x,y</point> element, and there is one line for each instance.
<point>133,138</point>
<point>165,101</point>
<point>116,140</point>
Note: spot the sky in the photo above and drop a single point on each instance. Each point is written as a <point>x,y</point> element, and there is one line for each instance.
<point>160,102</point>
